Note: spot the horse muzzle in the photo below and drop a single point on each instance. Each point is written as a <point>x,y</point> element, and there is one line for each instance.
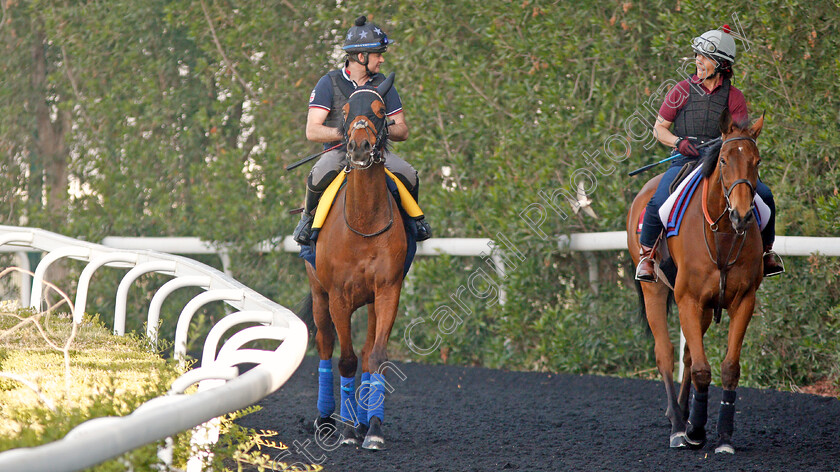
<point>741,222</point>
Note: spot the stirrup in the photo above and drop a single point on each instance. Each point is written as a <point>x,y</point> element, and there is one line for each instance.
<point>777,258</point>
<point>639,267</point>
<point>303,231</point>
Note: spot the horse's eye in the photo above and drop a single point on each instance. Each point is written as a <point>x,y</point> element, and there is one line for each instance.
<point>722,162</point>
<point>758,163</point>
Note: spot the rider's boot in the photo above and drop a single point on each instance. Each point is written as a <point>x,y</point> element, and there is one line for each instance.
<point>303,231</point>
<point>773,264</point>
<point>645,271</point>
<point>424,230</point>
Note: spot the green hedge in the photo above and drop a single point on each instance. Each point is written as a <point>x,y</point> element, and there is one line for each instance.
<point>504,100</point>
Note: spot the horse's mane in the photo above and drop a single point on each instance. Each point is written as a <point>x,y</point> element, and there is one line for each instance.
<point>709,155</point>
<point>708,158</point>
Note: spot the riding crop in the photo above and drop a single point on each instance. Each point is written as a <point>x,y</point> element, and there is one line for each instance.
<point>675,156</point>
<point>309,158</point>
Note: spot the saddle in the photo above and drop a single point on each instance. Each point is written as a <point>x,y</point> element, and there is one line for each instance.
<point>686,169</point>
<point>407,202</point>
<point>407,205</point>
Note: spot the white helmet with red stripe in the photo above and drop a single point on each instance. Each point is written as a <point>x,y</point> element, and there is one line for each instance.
<point>717,44</point>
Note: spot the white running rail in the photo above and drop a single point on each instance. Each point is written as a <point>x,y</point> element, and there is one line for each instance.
<point>222,389</point>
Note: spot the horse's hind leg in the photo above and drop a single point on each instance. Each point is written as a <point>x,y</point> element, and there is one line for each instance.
<point>656,298</point>
<point>685,384</point>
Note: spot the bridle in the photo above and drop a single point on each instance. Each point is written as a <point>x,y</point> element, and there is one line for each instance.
<point>723,264</point>
<point>375,156</point>
<point>727,191</point>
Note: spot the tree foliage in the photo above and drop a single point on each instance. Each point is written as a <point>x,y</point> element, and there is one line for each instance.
<point>177,117</point>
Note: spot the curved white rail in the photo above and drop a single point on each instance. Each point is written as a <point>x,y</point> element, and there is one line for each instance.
<point>222,389</point>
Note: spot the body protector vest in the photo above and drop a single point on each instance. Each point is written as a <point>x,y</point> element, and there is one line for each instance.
<point>699,118</point>
<point>341,94</point>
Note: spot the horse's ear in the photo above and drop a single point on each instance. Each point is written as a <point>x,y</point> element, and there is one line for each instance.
<point>755,129</point>
<point>726,124</point>
<point>385,86</point>
<point>345,110</point>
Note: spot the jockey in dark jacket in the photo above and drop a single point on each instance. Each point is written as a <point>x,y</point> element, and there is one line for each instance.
<point>364,44</point>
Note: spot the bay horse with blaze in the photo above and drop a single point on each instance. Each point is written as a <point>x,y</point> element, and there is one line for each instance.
<point>360,253</point>
<point>718,255</point>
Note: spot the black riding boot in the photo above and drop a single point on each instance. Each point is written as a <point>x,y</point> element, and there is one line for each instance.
<point>424,230</point>
<point>303,231</point>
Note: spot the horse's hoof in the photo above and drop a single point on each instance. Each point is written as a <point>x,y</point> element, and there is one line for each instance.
<point>696,438</point>
<point>320,422</point>
<point>678,441</point>
<point>374,440</point>
<point>352,435</point>
<point>724,448</point>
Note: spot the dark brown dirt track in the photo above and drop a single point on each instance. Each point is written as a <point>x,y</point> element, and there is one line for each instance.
<point>445,418</point>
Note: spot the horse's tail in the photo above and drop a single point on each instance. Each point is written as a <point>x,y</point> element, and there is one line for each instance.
<point>303,310</point>
<point>642,310</point>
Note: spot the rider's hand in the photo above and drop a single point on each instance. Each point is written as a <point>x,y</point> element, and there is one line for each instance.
<point>686,148</point>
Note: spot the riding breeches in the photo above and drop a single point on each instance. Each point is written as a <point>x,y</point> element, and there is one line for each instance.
<point>652,225</point>
<point>332,162</point>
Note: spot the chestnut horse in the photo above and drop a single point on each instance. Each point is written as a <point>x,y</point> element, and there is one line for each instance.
<point>360,252</point>
<point>719,262</point>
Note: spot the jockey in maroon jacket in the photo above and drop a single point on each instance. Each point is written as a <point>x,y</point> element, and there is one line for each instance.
<point>694,107</point>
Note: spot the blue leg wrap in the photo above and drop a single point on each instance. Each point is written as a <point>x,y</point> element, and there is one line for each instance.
<point>361,407</point>
<point>326,399</point>
<point>377,397</point>
<point>348,400</point>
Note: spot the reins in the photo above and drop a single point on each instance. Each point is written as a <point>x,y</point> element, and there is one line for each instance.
<point>377,233</point>
<point>724,264</point>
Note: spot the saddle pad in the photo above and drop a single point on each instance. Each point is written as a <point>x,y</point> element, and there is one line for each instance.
<point>406,201</point>
<point>307,253</point>
<point>672,211</point>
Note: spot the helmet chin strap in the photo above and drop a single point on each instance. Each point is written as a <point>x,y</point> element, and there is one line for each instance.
<point>367,61</point>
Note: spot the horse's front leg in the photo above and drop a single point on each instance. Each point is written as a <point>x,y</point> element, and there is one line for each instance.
<point>385,308</point>
<point>730,369</point>
<point>355,434</point>
<point>685,383</point>
<point>693,324</point>
<point>347,364</point>
<point>325,341</point>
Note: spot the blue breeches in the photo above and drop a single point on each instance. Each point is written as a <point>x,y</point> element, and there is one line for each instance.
<point>652,225</point>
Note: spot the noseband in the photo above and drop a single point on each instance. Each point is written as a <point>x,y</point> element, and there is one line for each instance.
<point>376,155</point>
